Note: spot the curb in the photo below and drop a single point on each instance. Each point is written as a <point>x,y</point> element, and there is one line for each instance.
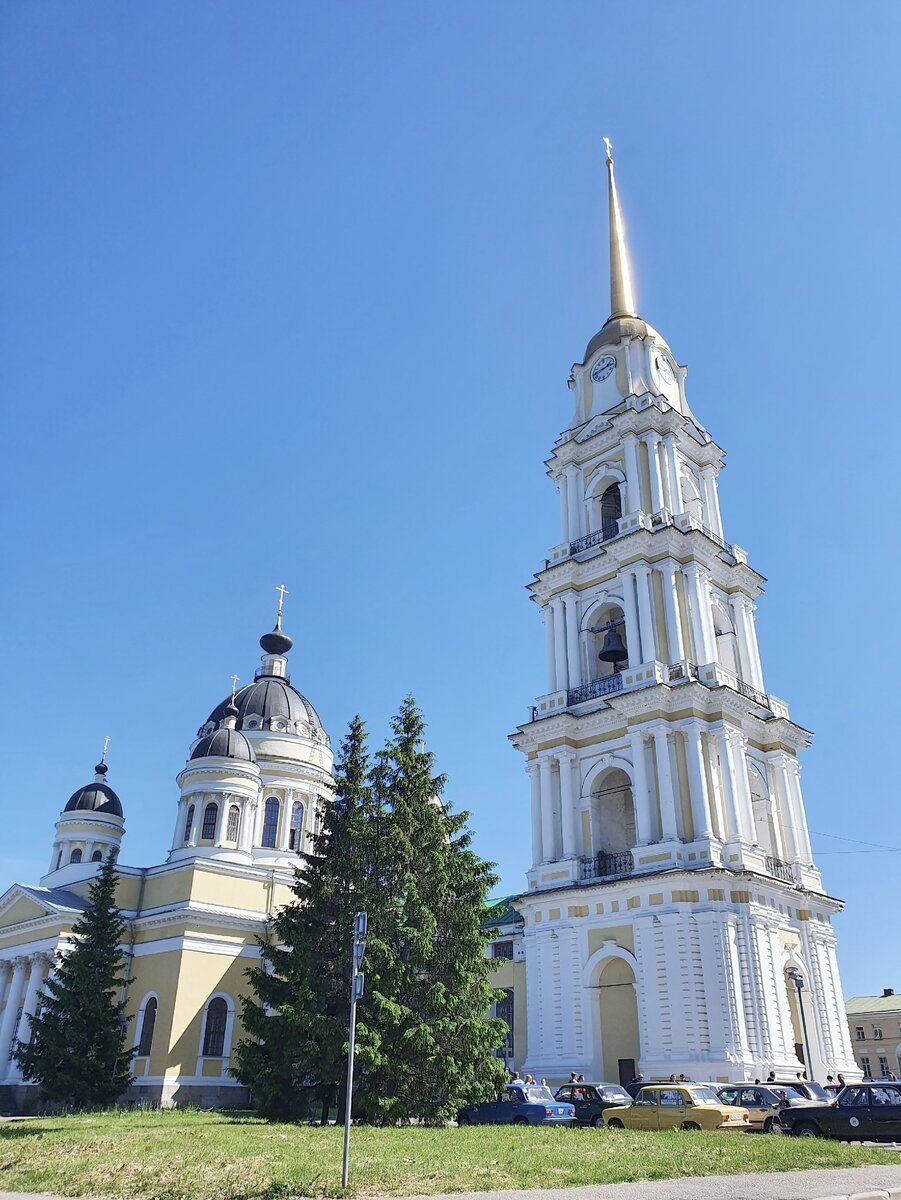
<point>877,1194</point>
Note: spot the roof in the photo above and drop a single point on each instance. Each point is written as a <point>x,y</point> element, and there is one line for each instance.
<point>873,1004</point>
<point>55,897</point>
<point>270,700</point>
<point>224,743</point>
<point>502,912</point>
<point>95,797</point>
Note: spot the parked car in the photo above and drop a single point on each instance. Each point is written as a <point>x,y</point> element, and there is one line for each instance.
<point>868,1111</point>
<point>591,1100</point>
<point>763,1103</point>
<point>815,1092</point>
<point>519,1104</point>
<point>678,1106</point>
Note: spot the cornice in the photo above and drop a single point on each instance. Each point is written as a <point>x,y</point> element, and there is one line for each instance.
<point>604,433</point>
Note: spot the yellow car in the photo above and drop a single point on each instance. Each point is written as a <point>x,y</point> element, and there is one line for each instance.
<point>677,1106</point>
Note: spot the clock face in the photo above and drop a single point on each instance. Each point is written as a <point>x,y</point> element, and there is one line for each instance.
<point>665,369</point>
<point>603,368</point>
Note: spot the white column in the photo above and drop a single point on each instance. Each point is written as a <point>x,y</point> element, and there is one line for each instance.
<point>742,785</point>
<point>7,968</point>
<point>565,762</point>
<point>671,610</point>
<point>717,802</point>
<point>644,828</point>
<point>741,639</point>
<point>29,1007</point>
<point>573,658</point>
<point>574,500</point>
<point>197,801</point>
<point>633,474</point>
<point>180,819</point>
<point>701,617</point>
<point>697,781</point>
<point>665,786</point>
<point>794,787</point>
<point>633,639</point>
<point>753,650</point>
<point>560,673</point>
<point>221,817</point>
<point>784,815</point>
<point>645,616</point>
<point>712,518</point>
<point>564,510</point>
<point>671,459</point>
<point>535,781</point>
<point>547,810</point>
<point>547,618</point>
<point>284,831</point>
<point>10,1014</point>
<point>651,440</point>
<point>727,772</point>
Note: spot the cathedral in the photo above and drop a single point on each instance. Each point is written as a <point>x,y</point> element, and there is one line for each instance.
<point>673,919</point>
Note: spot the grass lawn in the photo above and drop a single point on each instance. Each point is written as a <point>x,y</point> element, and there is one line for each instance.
<point>217,1156</point>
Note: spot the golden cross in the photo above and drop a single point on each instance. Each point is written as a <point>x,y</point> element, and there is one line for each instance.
<point>609,148</point>
<point>234,679</point>
<point>282,592</point>
<point>106,742</point>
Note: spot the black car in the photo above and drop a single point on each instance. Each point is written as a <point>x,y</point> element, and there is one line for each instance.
<point>860,1112</point>
<point>590,1100</point>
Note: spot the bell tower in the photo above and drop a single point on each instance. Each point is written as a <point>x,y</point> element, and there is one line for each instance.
<point>672,883</point>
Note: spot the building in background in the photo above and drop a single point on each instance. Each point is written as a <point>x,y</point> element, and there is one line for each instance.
<point>874,1024</point>
<point>250,794</point>
<point>675,920</point>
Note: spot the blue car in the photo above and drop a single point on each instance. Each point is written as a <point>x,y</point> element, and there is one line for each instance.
<point>519,1104</point>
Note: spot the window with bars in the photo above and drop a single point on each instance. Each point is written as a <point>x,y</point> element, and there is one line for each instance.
<point>147,1027</point>
<point>208,830</point>
<point>611,511</point>
<point>75,856</point>
<point>270,822</point>
<point>214,1030</point>
<point>502,950</point>
<point>234,816</point>
<point>97,856</point>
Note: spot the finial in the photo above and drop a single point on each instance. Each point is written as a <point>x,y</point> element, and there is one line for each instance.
<point>282,592</point>
<point>106,742</point>
<point>622,302</point>
<point>234,679</point>
<point>101,769</point>
<point>276,642</point>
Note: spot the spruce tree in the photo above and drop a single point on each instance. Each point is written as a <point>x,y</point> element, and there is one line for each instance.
<point>294,1056</point>
<point>78,1052</point>
<point>425,1038</point>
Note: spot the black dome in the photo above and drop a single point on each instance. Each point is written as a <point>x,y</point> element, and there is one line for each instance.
<point>95,797</point>
<point>273,701</point>
<point>224,743</point>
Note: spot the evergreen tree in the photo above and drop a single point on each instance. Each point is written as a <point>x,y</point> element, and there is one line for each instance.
<point>424,1035</point>
<point>78,1052</point>
<point>294,1056</point>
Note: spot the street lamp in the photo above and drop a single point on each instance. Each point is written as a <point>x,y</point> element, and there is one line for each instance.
<point>798,980</point>
<point>356,991</point>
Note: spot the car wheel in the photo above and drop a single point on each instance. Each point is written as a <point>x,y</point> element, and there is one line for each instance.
<point>806,1130</point>
<point>771,1125</point>
<point>463,1119</point>
<point>598,1121</point>
<point>690,1126</point>
<point>520,1121</point>
<point>615,1123</point>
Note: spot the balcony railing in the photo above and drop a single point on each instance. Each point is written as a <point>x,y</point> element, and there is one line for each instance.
<point>779,869</point>
<point>605,686</point>
<point>589,540</point>
<point>715,537</point>
<point>606,866</point>
<point>750,693</point>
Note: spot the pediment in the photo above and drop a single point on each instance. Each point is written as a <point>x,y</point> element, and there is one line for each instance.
<point>17,907</point>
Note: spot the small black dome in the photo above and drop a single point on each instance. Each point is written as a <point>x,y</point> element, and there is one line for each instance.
<point>95,797</point>
<point>276,642</point>
<point>224,743</point>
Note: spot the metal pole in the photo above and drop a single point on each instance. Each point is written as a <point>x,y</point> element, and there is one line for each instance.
<point>356,990</point>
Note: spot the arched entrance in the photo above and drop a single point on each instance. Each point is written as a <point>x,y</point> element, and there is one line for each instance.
<point>612,813</point>
<point>618,1009</point>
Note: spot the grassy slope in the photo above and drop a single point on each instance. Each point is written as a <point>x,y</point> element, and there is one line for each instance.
<point>207,1156</point>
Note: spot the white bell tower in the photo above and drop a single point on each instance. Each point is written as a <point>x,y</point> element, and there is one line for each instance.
<point>672,883</point>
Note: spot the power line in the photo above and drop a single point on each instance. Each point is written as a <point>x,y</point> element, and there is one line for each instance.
<point>837,837</point>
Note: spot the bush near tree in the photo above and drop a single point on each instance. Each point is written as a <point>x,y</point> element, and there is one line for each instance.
<point>78,1051</point>
<point>391,847</point>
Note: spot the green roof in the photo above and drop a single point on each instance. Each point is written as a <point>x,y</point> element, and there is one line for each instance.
<point>502,912</point>
<point>873,1004</point>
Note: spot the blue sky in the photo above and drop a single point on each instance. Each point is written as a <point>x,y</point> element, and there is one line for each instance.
<point>290,294</point>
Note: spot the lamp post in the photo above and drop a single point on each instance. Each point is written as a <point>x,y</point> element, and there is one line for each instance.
<point>356,991</point>
<point>798,980</point>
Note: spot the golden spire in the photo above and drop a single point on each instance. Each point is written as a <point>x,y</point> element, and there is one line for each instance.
<point>622,302</point>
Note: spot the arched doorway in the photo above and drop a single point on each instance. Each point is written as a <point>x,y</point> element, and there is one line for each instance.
<point>612,813</point>
<point>620,1049</point>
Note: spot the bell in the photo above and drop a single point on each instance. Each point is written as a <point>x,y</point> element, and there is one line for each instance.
<point>613,649</point>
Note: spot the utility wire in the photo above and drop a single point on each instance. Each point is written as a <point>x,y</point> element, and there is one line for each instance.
<point>837,837</point>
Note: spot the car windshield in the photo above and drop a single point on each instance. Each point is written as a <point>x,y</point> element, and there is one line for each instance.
<point>616,1095</point>
<point>538,1094</point>
<point>704,1095</point>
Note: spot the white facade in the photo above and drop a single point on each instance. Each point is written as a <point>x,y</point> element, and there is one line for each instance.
<point>672,882</point>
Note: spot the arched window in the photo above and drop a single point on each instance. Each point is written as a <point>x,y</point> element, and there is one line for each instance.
<point>270,822</point>
<point>214,1031</point>
<point>295,836</point>
<point>189,821</point>
<point>611,511</point>
<point>210,813</point>
<point>75,856</point>
<point>234,815</point>
<point>147,1025</point>
<point>97,856</point>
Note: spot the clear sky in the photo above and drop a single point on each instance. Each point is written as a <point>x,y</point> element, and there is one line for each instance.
<point>290,294</point>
